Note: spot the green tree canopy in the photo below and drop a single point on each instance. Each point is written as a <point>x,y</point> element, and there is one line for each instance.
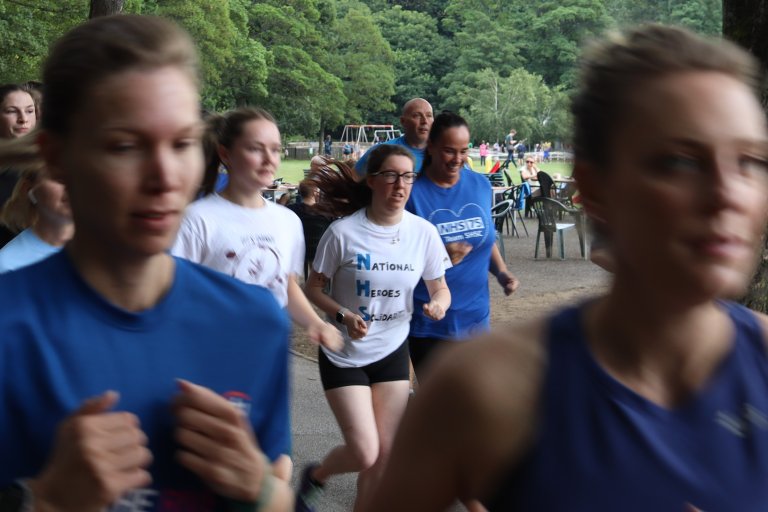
<point>419,55</point>
<point>364,62</point>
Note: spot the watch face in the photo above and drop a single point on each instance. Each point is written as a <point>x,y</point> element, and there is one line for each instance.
<point>12,499</point>
<point>339,318</point>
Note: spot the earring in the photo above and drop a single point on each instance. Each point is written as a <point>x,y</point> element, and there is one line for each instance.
<point>31,196</point>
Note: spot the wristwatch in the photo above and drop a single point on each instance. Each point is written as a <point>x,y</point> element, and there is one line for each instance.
<point>340,315</point>
<point>16,498</point>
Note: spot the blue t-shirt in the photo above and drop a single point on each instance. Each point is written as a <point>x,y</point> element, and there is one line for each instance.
<point>25,248</point>
<point>601,447</point>
<point>418,155</point>
<point>62,343</point>
<point>461,213</point>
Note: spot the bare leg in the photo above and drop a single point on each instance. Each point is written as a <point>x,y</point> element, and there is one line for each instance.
<point>389,402</point>
<point>353,408</point>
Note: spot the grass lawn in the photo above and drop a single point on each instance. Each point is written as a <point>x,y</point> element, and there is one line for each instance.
<point>292,171</point>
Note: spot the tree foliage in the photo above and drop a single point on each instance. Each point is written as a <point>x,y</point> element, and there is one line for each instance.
<point>493,104</point>
<point>419,54</point>
<point>27,29</point>
<point>364,62</point>
<point>318,64</point>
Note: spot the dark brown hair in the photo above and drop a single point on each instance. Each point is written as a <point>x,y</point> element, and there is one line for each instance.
<point>6,89</point>
<point>343,191</point>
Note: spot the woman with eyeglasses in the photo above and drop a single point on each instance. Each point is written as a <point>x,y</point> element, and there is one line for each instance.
<point>457,201</point>
<point>372,260</point>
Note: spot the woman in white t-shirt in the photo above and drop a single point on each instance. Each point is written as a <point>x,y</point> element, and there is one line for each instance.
<point>237,231</point>
<point>372,259</point>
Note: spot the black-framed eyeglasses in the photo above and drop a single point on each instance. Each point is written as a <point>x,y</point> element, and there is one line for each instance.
<point>392,177</point>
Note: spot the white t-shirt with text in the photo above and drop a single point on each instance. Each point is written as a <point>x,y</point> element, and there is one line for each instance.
<point>374,270</point>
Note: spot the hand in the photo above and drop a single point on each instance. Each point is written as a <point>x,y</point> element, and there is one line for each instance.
<point>457,251</point>
<point>508,282</point>
<point>98,456</point>
<point>356,326</point>
<point>434,310</point>
<point>218,445</point>
<point>325,334</point>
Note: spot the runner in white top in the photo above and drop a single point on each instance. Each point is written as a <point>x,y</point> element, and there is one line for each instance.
<point>372,259</point>
<point>373,270</point>
<point>241,234</point>
<point>256,245</point>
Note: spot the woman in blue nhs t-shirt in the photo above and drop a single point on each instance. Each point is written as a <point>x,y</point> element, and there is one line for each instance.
<point>458,202</point>
<point>652,397</point>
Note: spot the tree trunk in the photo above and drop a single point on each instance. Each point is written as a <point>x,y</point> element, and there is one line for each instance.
<point>745,22</point>
<point>105,8</point>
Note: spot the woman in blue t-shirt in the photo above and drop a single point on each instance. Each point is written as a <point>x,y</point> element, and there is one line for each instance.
<point>457,201</point>
<point>136,380</point>
<point>652,397</point>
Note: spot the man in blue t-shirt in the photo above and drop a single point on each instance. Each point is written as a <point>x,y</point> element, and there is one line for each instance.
<point>416,120</point>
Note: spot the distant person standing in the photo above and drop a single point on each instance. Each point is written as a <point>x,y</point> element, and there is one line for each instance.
<point>483,153</point>
<point>521,150</point>
<point>509,144</point>
<point>416,120</point>
<point>327,146</point>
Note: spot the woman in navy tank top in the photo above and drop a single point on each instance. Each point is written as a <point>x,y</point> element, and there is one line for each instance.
<point>653,397</point>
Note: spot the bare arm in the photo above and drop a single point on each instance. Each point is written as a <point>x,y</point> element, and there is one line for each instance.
<point>439,298</point>
<point>301,311</point>
<point>457,435</point>
<point>356,327</point>
<point>498,268</point>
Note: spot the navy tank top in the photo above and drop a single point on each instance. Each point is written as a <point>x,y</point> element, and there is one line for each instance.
<point>602,447</point>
